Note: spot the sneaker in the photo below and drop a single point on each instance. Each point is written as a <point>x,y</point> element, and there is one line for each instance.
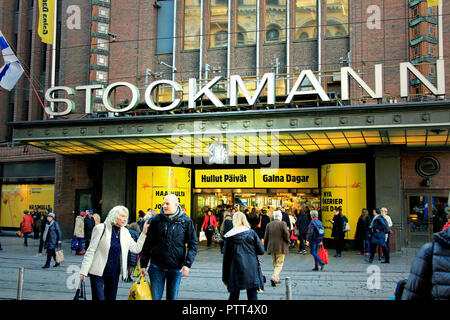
<point>80,253</point>
<point>304,251</point>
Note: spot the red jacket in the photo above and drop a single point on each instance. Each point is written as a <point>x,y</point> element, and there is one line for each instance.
<point>209,221</point>
<point>27,223</point>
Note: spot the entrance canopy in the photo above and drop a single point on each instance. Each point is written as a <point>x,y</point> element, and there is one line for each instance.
<point>294,131</point>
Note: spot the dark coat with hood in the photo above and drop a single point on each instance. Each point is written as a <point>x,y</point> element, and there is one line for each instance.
<point>167,236</point>
<point>338,227</point>
<point>302,223</point>
<point>430,270</point>
<point>378,229</point>
<point>241,269</point>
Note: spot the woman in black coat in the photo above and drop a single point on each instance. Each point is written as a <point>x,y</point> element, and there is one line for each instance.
<point>338,231</point>
<point>241,269</point>
<point>362,233</point>
<point>302,226</point>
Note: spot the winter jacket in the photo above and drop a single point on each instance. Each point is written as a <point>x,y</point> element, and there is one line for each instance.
<point>430,270</point>
<point>265,220</point>
<point>79,227</point>
<point>210,220</point>
<point>276,237</point>
<point>313,233</point>
<point>362,228</point>
<point>338,227</point>
<point>302,223</point>
<point>165,245</point>
<point>241,269</point>
<point>378,230</point>
<point>96,256</point>
<point>54,235</point>
<point>89,224</point>
<point>27,223</point>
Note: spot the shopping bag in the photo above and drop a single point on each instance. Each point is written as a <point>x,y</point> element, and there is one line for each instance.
<point>140,290</point>
<point>346,227</point>
<point>137,270</point>
<point>74,244</point>
<point>293,237</point>
<point>202,236</point>
<point>59,255</point>
<point>217,237</point>
<point>19,233</point>
<point>81,292</point>
<point>323,254</point>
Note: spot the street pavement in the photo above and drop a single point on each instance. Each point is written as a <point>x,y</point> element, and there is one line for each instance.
<point>347,278</point>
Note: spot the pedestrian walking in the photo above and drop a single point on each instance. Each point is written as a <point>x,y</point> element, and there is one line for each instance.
<point>227,225</point>
<point>209,226</point>
<point>106,257</point>
<point>52,238</point>
<point>384,212</point>
<point>132,260</point>
<point>302,227</point>
<point>26,226</point>
<point>378,230</point>
<point>315,238</point>
<point>292,220</point>
<point>264,219</point>
<point>171,247</point>
<point>241,269</point>
<point>89,224</point>
<point>41,236</point>
<point>37,223</point>
<point>276,243</point>
<point>362,233</point>
<point>429,278</point>
<point>338,231</point>
<point>78,233</point>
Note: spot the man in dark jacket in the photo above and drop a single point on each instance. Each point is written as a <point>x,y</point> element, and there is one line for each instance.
<point>89,224</point>
<point>430,270</point>
<point>165,248</point>
<point>302,226</point>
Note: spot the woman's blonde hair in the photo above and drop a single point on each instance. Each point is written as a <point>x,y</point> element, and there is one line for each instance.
<point>239,220</point>
<point>114,214</point>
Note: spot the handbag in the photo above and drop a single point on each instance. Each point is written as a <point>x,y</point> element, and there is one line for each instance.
<point>293,237</point>
<point>217,237</point>
<point>323,254</point>
<point>81,292</point>
<point>202,236</point>
<point>74,244</point>
<point>19,233</point>
<point>346,227</point>
<point>140,290</point>
<point>59,255</point>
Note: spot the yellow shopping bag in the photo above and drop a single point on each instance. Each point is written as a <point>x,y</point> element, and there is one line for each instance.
<point>140,290</point>
<point>137,270</point>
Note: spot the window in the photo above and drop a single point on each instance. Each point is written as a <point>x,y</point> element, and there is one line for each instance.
<point>98,107</point>
<point>102,28</point>
<point>103,12</point>
<point>431,50</point>
<point>432,71</point>
<point>164,28</point>
<point>305,19</point>
<point>102,44</point>
<point>246,20</point>
<point>102,60</point>
<point>191,24</point>
<point>218,27</point>
<point>337,18</point>
<point>415,12</point>
<point>101,76</point>
<point>99,93</point>
<point>275,18</point>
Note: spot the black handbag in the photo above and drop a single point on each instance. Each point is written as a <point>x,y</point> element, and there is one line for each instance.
<point>81,292</point>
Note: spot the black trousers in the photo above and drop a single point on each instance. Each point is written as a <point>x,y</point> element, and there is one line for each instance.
<point>373,248</point>
<point>252,294</point>
<point>209,235</point>
<point>302,239</point>
<point>339,244</point>
<point>51,253</point>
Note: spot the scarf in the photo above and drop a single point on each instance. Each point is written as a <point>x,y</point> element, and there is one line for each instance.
<point>47,227</point>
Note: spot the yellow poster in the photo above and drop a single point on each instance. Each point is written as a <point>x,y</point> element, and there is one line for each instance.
<point>286,178</point>
<point>18,198</point>
<point>154,183</point>
<point>224,178</point>
<point>46,17</point>
<point>343,185</point>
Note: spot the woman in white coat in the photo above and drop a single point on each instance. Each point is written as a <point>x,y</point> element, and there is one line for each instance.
<point>106,257</point>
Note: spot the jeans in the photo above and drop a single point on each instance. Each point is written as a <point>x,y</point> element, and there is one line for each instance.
<point>252,294</point>
<point>25,238</point>
<point>104,288</point>
<point>314,246</point>
<point>159,277</point>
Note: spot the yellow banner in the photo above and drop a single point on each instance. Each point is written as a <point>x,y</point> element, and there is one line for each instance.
<point>432,3</point>
<point>18,198</point>
<point>46,20</point>
<point>224,178</point>
<point>154,183</point>
<point>343,185</point>
<point>286,178</point>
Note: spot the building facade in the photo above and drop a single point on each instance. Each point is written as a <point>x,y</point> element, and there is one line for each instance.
<point>315,89</point>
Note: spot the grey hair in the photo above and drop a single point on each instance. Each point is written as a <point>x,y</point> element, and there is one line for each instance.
<point>383,210</point>
<point>314,214</point>
<point>114,214</point>
<point>277,215</point>
<point>171,197</point>
<point>239,219</point>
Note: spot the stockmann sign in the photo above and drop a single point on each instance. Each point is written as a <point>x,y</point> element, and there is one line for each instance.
<point>236,83</point>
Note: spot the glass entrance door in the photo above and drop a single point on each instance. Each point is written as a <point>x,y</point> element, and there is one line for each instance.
<point>425,215</point>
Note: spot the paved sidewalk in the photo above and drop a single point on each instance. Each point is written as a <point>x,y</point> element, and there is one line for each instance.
<point>344,278</point>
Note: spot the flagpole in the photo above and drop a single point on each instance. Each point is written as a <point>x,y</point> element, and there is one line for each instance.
<point>55,29</point>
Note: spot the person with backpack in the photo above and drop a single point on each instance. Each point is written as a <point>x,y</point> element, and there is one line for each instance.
<point>315,236</point>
